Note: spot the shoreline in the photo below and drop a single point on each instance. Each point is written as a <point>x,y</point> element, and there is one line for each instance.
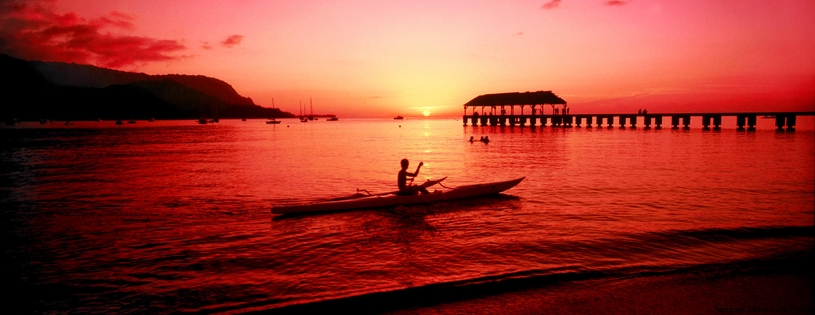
<point>773,285</point>
<point>784,286</point>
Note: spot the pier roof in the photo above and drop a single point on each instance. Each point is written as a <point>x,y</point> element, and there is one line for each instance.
<point>516,98</point>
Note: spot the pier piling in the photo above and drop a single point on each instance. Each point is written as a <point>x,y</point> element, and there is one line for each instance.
<point>740,122</point>
<point>686,122</point>
<point>791,123</point>
<point>674,122</point>
<point>780,121</point>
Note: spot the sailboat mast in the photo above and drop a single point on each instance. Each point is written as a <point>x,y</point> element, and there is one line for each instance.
<point>311,106</point>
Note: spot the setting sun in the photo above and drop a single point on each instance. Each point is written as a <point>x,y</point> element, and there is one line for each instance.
<point>426,113</point>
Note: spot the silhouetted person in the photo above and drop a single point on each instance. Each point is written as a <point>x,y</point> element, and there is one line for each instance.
<point>556,111</point>
<point>639,112</point>
<point>471,139</point>
<point>404,189</point>
<point>645,111</point>
<point>486,139</point>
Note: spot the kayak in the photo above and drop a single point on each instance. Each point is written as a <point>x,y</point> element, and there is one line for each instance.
<point>368,201</point>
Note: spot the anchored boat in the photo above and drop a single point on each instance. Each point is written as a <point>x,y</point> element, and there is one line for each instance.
<point>367,201</point>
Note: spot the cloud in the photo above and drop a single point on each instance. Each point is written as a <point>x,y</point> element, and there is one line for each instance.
<point>122,15</point>
<point>33,31</point>
<point>232,41</point>
<point>554,4</point>
<point>616,3</point>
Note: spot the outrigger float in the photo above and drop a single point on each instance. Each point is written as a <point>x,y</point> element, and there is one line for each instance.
<point>368,201</point>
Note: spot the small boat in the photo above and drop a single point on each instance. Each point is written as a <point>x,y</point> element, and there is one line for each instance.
<point>131,121</point>
<point>119,122</point>
<point>333,118</point>
<point>273,122</point>
<point>302,117</point>
<point>398,117</point>
<point>202,121</point>
<point>368,201</point>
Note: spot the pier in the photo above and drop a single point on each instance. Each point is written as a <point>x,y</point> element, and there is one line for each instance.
<point>511,109</point>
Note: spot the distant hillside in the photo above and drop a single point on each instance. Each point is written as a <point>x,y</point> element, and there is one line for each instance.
<point>33,90</point>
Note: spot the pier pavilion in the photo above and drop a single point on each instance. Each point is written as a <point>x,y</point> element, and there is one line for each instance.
<point>492,108</point>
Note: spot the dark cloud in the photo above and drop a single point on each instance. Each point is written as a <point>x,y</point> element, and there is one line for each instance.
<point>616,2</point>
<point>551,5</point>
<point>232,41</point>
<point>31,30</point>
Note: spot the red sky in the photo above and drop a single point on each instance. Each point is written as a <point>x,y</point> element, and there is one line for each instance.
<point>359,58</point>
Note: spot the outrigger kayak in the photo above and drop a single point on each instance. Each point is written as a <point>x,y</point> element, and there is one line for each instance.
<point>367,201</point>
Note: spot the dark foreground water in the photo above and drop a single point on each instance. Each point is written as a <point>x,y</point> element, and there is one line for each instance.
<point>172,217</point>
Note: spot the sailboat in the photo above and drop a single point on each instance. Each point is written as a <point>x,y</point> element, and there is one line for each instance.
<point>273,121</point>
<point>302,118</point>
<point>311,105</point>
<point>202,120</point>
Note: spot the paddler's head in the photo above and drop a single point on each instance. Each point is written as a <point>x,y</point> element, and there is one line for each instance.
<point>405,164</point>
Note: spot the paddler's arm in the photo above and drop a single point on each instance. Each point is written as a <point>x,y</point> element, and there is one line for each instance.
<point>416,173</point>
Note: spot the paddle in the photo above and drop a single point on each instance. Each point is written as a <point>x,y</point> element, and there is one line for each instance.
<point>426,184</point>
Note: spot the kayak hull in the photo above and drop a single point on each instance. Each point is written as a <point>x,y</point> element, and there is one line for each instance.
<point>380,201</point>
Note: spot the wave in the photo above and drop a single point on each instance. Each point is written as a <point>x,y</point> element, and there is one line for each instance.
<point>721,234</point>
<point>791,260</point>
<point>439,293</point>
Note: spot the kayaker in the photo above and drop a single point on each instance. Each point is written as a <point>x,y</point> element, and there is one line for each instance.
<point>404,189</point>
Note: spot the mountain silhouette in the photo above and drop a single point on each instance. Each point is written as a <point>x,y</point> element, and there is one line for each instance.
<point>33,90</point>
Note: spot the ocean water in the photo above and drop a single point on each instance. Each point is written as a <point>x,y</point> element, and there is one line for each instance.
<point>172,216</point>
